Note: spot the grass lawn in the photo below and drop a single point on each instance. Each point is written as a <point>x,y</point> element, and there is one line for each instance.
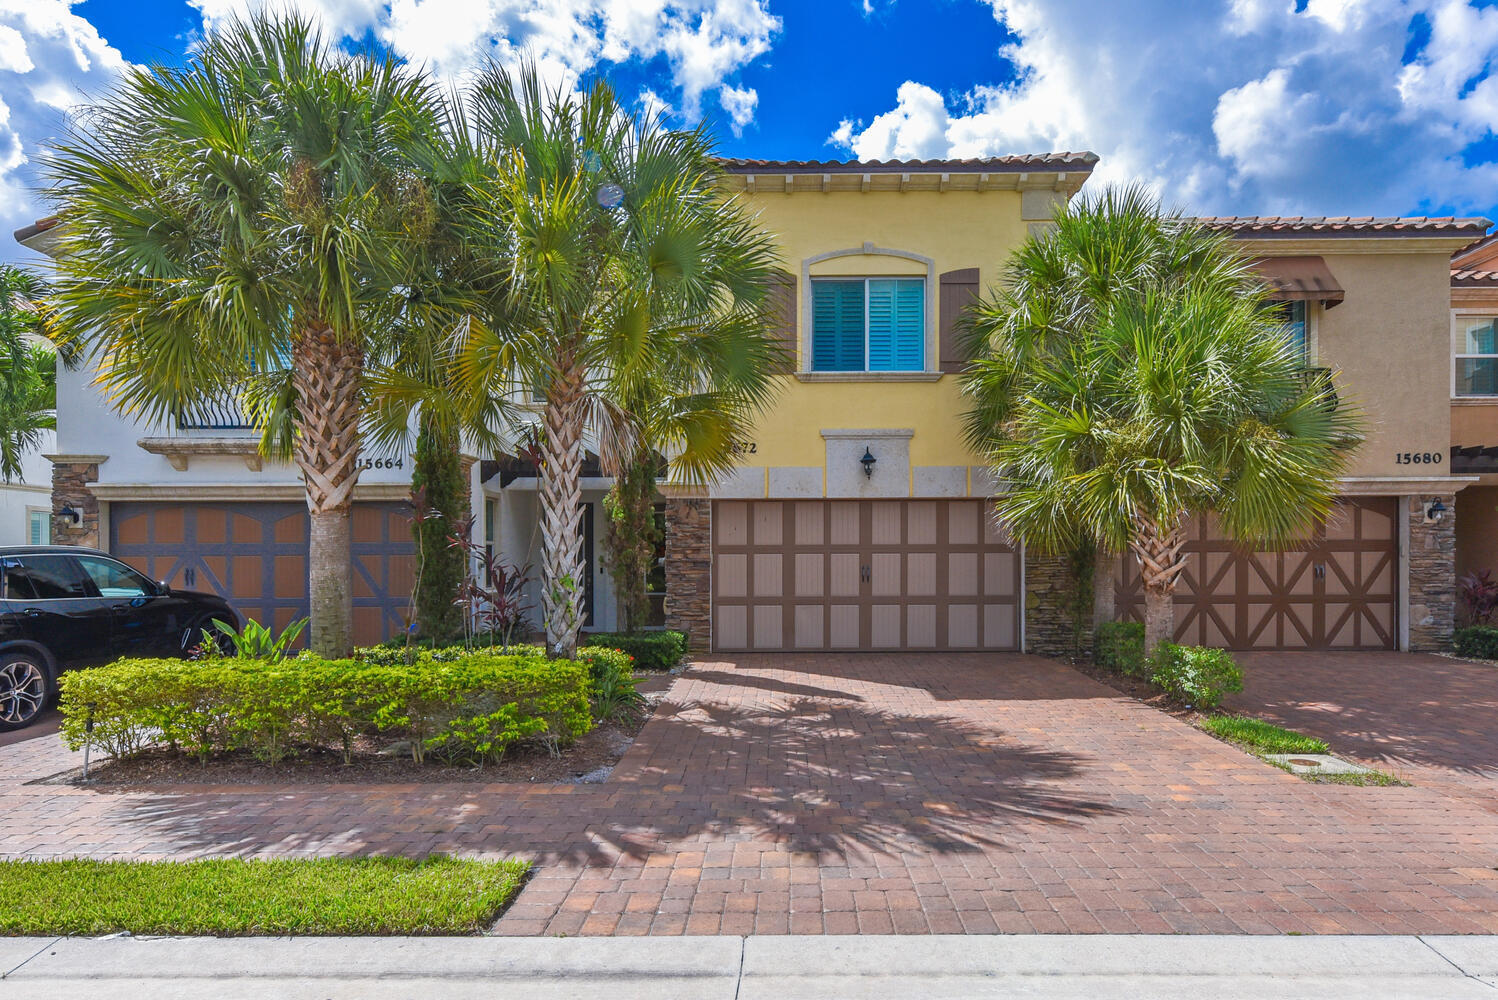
<point>233,896</point>
<point>1261,736</point>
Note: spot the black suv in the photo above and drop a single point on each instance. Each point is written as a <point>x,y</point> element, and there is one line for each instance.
<point>64,607</point>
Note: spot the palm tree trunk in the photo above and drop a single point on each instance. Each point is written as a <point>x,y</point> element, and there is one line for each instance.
<point>1161,562</point>
<point>561,512</point>
<point>326,374</point>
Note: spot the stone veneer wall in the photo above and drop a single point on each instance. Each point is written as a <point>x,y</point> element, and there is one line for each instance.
<point>689,570</point>
<point>1432,560</point>
<point>70,489</point>
<point>1049,628</point>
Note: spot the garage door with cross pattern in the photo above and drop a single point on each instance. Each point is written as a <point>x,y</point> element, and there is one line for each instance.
<point>1336,590</point>
<point>255,556</point>
<point>862,574</point>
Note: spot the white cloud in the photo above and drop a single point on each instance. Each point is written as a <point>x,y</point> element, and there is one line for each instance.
<point>704,42</point>
<point>1233,106</point>
<point>50,61</point>
<point>740,103</point>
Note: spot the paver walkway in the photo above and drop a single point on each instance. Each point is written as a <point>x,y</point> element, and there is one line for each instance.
<point>875,794</point>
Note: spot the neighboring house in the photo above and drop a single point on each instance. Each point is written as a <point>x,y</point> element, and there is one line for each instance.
<point>857,520</point>
<point>26,503</point>
<point>1474,402</point>
<point>858,516</point>
<point>194,504</point>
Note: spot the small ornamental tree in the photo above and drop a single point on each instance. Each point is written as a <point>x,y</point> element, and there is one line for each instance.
<point>632,537</point>
<point>438,481</point>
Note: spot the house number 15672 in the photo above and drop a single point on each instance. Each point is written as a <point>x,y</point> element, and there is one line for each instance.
<point>1417,458</point>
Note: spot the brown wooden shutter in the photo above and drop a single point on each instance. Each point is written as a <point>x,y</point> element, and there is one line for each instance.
<point>958,289</point>
<point>782,302</point>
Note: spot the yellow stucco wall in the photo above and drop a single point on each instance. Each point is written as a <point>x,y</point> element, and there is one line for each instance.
<point>956,229</point>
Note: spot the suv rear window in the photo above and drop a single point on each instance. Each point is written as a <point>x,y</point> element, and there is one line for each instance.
<point>44,578</point>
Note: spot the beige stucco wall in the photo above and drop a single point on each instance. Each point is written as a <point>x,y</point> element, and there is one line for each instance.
<point>1477,529</point>
<point>1391,340</point>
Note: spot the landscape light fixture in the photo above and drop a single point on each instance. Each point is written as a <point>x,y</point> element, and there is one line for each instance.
<point>868,461</point>
<point>70,515</point>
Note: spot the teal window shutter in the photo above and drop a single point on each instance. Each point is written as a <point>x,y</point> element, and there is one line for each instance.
<point>837,321</point>
<point>897,325</point>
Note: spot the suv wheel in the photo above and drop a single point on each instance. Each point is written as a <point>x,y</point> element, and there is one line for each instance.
<point>24,690</point>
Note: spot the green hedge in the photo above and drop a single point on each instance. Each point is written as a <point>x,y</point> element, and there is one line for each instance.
<point>1477,642</point>
<point>472,708</point>
<point>651,650</point>
<point>1120,647</point>
<point>1196,675</point>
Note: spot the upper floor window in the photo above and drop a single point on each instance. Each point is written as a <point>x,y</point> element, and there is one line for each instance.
<point>1293,315</point>
<point>1477,357</point>
<point>868,324</point>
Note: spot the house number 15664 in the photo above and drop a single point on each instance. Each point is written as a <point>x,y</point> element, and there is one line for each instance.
<point>1417,458</point>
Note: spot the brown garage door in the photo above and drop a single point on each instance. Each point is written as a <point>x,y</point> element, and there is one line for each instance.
<point>1338,590</point>
<point>255,555</point>
<point>862,574</point>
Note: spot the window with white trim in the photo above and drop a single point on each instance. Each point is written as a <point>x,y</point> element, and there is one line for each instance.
<point>1477,357</point>
<point>38,526</point>
<point>868,324</point>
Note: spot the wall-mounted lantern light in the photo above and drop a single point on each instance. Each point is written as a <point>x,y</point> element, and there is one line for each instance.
<point>1434,511</point>
<point>868,461</point>
<point>70,515</point>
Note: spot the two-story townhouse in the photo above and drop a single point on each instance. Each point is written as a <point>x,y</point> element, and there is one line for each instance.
<point>857,518</point>
<point>1474,402</point>
<point>194,504</point>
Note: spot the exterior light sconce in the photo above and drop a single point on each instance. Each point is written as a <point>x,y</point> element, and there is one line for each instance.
<point>1434,511</point>
<point>868,461</point>
<point>69,515</point>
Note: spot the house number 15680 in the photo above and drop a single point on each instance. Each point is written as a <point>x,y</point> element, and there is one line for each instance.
<point>1417,458</point>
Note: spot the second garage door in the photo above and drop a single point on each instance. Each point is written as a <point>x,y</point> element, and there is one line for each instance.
<point>1338,590</point>
<point>862,574</point>
<point>255,555</point>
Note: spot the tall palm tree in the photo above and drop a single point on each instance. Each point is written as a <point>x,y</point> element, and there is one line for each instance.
<point>1140,378</point>
<point>624,261</point>
<point>252,212</point>
<point>28,369</point>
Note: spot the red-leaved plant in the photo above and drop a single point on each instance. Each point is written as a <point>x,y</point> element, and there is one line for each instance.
<point>1479,596</point>
<point>493,593</point>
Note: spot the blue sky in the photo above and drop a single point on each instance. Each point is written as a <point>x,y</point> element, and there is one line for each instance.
<point>1314,107</point>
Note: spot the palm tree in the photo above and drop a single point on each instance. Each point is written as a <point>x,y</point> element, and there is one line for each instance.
<point>1132,376</point>
<point>625,262</point>
<point>28,370</point>
<point>253,212</point>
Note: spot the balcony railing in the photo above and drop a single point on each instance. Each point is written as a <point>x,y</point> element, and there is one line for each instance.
<point>217,415</point>
<point>1320,381</point>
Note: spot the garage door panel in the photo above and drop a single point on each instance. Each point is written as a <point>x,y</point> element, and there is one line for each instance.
<point>874,574</point>
<point>1335,589</point>
<point>255,555</point>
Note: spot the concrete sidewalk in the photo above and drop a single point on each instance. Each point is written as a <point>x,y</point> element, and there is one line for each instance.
<point>754,968</point>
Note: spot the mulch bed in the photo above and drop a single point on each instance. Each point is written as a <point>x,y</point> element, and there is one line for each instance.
<point>1138,689</point>
<point>585,759</point>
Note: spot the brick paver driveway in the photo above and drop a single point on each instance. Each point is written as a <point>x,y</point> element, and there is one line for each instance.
<point>873,793</point>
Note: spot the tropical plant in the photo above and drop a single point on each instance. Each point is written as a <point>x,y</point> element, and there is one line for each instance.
<point>251,223</point>
<point>439,503</point>
<point>631,538</point>
<point>1131,376</point>
<point>1479,596</point>
<point>630,278</point>
<point>28,369</point>
<point>492,595</point>
<point>256,641</point>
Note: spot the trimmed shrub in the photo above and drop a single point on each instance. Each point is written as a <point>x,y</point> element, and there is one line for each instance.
<point>1196,675</point>
<point>1477,642</point>
<point>612,676</point>
<point>658,651</point>
<point>387,655</point>
<point>1120,647</point>
<point>471,708</point>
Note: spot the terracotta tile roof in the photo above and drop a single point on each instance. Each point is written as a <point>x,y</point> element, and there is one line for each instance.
<point>1473,279</point>
<point>39,226</point>
<point>1071,162</point>
<point>1478,252</point>
<point>1347,225</point>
